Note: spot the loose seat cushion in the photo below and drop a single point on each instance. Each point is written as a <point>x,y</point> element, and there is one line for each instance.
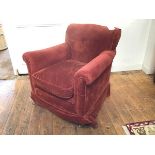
<point>57,79</point>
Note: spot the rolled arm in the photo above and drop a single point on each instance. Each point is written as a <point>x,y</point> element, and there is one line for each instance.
<point>39,59</point>
<point>91,71</point>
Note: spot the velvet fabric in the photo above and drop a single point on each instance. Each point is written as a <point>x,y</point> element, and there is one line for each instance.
<point>86,41</point>
<point>72,79</point>
<point>58,79</point>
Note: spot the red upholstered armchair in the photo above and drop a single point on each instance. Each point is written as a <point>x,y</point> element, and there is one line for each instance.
<point>72,79</point>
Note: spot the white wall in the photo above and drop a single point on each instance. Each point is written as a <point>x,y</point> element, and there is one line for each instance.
<point>131,48</point>
<point>136,43</point>
<point>130,51</point>
<point>25,38</point>
<point>149,60</point>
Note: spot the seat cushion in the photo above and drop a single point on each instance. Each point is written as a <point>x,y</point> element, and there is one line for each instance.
<point>57,79</point>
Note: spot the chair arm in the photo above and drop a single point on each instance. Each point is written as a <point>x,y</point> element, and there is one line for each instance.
<point>91,71</point>
<point>39,59</point>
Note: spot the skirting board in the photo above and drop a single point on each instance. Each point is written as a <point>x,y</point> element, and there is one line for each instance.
<point>22,69</point>
<point>148,70</point>
<point>126,68</point>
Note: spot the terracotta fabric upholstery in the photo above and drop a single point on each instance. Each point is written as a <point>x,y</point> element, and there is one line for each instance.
<point>58,79</point>
<point>72,79</point>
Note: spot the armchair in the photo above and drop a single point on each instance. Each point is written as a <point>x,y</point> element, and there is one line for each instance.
<point>72,79</point>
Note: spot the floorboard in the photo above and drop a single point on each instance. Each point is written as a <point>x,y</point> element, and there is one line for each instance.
<point>132,99</point>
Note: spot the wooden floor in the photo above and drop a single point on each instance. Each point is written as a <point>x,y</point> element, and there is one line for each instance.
<point>132,99</point>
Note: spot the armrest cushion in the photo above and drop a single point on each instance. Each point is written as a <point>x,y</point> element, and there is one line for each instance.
<point>39,59</point>
<point>91,71</point>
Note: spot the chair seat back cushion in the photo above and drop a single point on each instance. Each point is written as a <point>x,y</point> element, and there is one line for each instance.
<point>86,41</point>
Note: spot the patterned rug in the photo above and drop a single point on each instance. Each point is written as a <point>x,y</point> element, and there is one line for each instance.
<point>140,128</point>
